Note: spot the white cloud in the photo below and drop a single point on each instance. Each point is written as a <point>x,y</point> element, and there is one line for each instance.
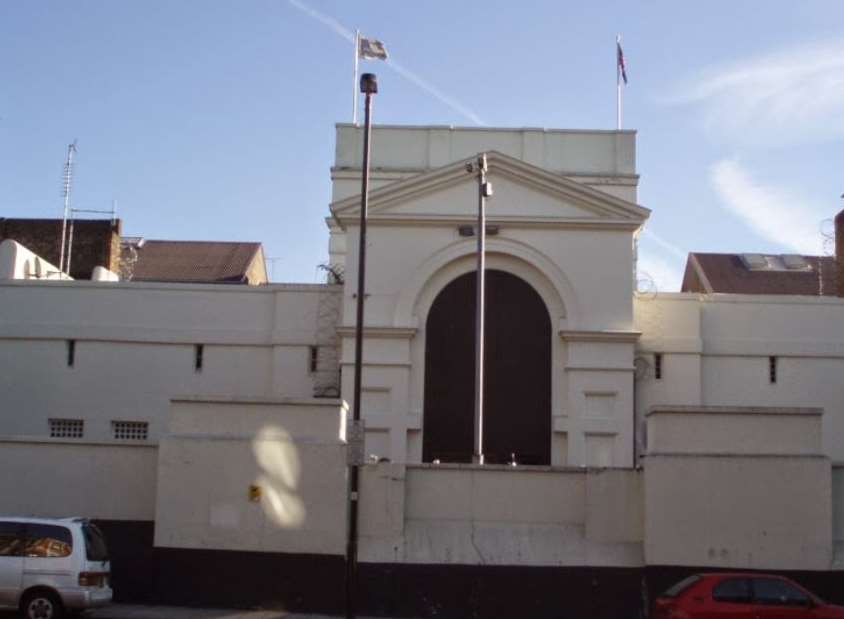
<point>774,213</point>
<point>794,95</point>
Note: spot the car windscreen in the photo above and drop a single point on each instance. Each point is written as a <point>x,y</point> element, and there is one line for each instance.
<point>674,591</point>
<point>95,545</point>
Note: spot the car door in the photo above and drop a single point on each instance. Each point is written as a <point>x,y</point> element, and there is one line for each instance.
<point>11,562</point>
<point>776,598</point>
<point>731,599</point>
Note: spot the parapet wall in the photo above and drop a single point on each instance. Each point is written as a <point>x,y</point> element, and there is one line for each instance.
<point>744,488</point>
<point>498,515</point>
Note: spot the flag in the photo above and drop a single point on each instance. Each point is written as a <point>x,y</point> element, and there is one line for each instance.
<point>371,49</point>
<point>622,65</point>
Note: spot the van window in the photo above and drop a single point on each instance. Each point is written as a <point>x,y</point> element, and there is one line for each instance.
<point>11,539</point>
<point>95,546</point>
<point>48,541</point>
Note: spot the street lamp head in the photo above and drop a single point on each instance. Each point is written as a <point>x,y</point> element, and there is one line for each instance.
<point>368,84</point>
<point>482,162</point>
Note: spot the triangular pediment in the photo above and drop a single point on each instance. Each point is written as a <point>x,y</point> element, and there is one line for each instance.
<point>522,193</point>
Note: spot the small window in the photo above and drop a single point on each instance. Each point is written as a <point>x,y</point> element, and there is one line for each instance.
<point>130,430</point>
<point>198,352</point>
<point>71,353</point>
<point>776,592</point>
<point>47,541</point>
<point>733,590</point>
<point>313,358</point>
<point>772,370</point>
<point>658,366</point>
<point>11,539</point>
<point>67,428</point>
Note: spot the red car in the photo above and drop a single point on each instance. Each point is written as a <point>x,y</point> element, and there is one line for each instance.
<point>741,596</point>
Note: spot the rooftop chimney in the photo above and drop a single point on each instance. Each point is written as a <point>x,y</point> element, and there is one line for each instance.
<point>839,253</point>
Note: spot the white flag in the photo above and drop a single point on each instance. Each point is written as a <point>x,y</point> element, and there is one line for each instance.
<point>372,49</point>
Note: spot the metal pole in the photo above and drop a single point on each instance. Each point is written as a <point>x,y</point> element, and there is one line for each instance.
<point>618,95</point>
<point>369,86</point>
<point>478,455</point>
<point>619,104</point>
<point>355,83</point>
<point>70,242</point>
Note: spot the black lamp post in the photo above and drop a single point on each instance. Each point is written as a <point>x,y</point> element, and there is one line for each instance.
<point>369,87</point>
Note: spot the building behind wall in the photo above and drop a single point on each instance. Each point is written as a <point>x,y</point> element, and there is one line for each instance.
<point>180,413</point>
<point>95,242</point>
<point>98,243</point>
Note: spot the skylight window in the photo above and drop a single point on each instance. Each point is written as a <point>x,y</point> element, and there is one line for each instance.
<point>771,262</point>
<point>794,262</point>
<point>755,262</point>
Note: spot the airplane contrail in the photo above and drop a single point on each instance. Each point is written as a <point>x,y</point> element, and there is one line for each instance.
<point>326,20</point>
<point>670,247</point>
<point>434,92</point>
<point>340,30</point>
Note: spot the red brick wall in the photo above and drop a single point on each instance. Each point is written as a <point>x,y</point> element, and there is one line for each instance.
<point>95,242</point>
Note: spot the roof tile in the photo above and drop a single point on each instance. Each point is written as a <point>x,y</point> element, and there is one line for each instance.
<point>727,273</point>
<point>194,261</point>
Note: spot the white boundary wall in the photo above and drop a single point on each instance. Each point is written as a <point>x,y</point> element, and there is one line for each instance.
<point>716,351</point>
<point>134,349</point>
<point>55,479</point>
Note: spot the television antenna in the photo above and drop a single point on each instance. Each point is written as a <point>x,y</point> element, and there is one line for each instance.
<point>67,181</point>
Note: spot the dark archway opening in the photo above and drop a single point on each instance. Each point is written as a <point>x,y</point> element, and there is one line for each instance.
<point>517,393</point>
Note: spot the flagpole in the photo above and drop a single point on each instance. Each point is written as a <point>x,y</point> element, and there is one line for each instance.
<point>355,81</point>
<point>618,95</point>
<point>480,297</point>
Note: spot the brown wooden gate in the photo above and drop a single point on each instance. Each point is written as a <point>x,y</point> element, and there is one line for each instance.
<point>517,410</point>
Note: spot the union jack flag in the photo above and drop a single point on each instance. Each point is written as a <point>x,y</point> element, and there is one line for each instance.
<point>622,65</point>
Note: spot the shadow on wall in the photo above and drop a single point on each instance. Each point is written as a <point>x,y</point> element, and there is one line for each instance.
<point>279,477</point>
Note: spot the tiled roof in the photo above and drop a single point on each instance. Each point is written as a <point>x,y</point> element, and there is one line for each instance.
<point>728,273</point>
<point>194,261</point>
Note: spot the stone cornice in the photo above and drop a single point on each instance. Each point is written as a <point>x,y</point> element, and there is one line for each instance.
<point>665,409</point>
<point>384,333</point>
<point>546,223</point>
<point>604,205</point>
<point>397,173</point>
<point>618,337</point>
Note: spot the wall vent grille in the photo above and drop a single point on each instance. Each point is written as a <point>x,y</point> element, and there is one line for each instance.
<point>130,430</point>
<point>67,428</point>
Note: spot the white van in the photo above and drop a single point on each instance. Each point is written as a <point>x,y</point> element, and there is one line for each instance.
<point>48,566</point>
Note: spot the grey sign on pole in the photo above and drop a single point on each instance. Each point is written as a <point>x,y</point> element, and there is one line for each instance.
<point>355,435</point>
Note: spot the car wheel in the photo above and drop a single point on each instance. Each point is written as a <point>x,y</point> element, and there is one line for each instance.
<point>41,605</point>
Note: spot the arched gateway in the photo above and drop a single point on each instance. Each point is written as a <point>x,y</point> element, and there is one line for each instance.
<point>517,396</point>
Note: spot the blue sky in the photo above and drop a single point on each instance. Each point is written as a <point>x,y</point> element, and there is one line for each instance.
<point>215,120</point>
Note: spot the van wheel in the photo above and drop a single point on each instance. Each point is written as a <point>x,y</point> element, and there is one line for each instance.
<point>41,605</point>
